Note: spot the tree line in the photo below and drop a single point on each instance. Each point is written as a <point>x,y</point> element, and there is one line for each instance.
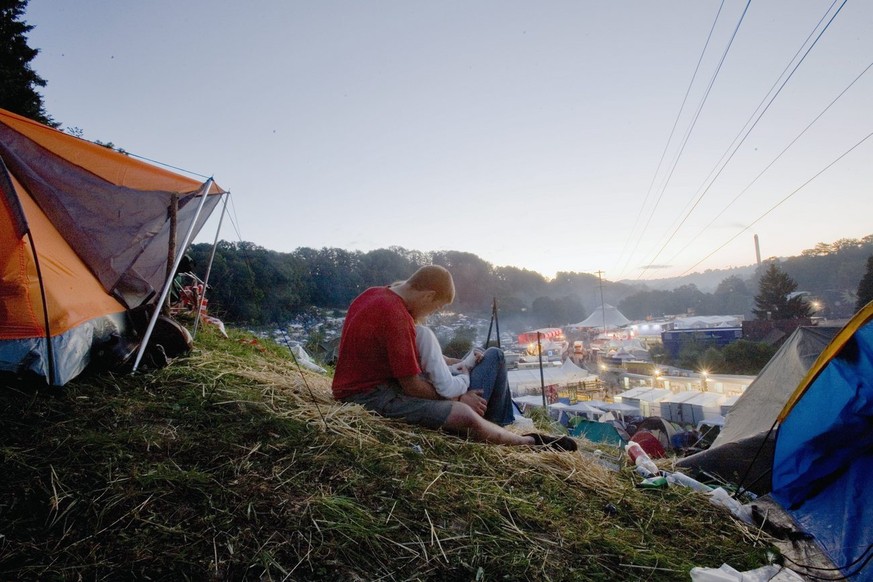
<point>253,285</point>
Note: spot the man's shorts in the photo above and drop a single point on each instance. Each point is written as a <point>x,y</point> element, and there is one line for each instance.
<point>390,401</point>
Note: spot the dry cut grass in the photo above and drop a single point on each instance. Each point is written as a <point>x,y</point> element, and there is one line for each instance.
<point>233,464</point>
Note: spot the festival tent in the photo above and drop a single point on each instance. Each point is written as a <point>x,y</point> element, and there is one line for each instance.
<point>529,380</point>
<point>606,316</point>
<point>662,429</point>
<point>744,446</point>
<point>545,333</point>
<point>566,412</point>
<point>823,459</point>
<point>85,234</point>
<point>610,433</point>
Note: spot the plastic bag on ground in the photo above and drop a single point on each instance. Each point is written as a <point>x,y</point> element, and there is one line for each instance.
<point>725,573</point>
<point>721,497</point>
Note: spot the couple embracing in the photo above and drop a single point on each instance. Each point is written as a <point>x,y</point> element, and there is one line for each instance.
<point>388,366</point>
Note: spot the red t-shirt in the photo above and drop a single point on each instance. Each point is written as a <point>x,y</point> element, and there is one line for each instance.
<point>377,343</point>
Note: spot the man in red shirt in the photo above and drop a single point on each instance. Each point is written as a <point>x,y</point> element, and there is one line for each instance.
<point>378,367</point>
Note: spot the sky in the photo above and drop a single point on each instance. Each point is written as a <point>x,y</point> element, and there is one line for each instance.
<point>636,138</point>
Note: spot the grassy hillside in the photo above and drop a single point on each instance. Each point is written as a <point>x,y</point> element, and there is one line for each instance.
<point>231,464</point>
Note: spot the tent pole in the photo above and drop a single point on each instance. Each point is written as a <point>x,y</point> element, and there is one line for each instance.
<point>490,326</point>
<point>169,282</point>
<point>542,377</point>
<point>496,322</point>
<point>50,352</point>
<point>171,246</point>
<point>209,266</point>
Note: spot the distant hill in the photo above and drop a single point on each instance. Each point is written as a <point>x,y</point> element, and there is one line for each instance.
<point>706,281</point>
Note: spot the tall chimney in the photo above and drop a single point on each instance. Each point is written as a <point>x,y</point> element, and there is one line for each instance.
<point>757,250</point>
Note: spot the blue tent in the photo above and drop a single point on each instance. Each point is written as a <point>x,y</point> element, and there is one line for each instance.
<point>599,432</point>
<point>823,460</point>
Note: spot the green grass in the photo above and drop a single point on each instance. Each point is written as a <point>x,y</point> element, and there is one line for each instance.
<point>227,465</point>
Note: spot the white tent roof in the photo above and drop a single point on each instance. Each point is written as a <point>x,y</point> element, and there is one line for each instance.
<point>579,407</point>
<point>521,381</point>
<point>605,316</point>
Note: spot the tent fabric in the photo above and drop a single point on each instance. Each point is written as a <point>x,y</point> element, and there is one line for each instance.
<point>823,460</point>
<point>87,229</point>
<point>660,428</point>
<point>756,410</point>
<point>124,243</point>
<point>743,449</point>
<point>650,443</point>
<point>599,432</point>
<point>606,316</point>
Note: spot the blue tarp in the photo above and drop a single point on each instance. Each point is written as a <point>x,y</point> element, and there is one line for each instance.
<point>823,463</point>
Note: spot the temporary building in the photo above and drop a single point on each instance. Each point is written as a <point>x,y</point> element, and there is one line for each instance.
<point>702,406</point>
<point>85,237</point>
<point>823,459</point>
<point>671,406</point>
<point>707,321</point>
<point>646,400</point>
<point>744,446</point>
<point>728,404</point>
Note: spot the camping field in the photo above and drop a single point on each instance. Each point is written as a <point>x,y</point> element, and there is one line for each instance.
<point>232,464</point>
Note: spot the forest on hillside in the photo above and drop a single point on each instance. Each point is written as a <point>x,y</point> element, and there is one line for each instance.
<point>256,286</point>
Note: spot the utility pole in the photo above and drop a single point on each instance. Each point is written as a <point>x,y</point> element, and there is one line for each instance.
<point>602,307</point>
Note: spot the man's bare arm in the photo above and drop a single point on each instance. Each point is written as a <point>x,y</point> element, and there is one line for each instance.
<point>418,387</point>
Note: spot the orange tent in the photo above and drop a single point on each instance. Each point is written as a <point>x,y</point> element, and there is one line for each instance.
<point>84,235</point>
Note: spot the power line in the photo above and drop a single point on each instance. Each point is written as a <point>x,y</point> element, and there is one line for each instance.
<point>750,128</point>
<point>667,145</point>
<point>694,122</point>
<point>780,203</point>
<point>787,147</point>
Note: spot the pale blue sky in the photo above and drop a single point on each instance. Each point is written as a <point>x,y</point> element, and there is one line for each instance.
<point>528,133</point>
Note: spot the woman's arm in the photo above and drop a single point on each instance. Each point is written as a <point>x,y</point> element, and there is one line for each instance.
<point>434,365</point>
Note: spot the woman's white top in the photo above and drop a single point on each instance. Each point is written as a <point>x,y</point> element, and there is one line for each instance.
<point>434,365</point>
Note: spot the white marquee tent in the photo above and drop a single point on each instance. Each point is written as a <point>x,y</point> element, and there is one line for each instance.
<point>528,380</point>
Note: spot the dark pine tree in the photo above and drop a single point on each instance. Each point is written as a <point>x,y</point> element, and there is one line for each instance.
<point>773,301</point>
<point>18,88</point>
<point>865,287</point>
